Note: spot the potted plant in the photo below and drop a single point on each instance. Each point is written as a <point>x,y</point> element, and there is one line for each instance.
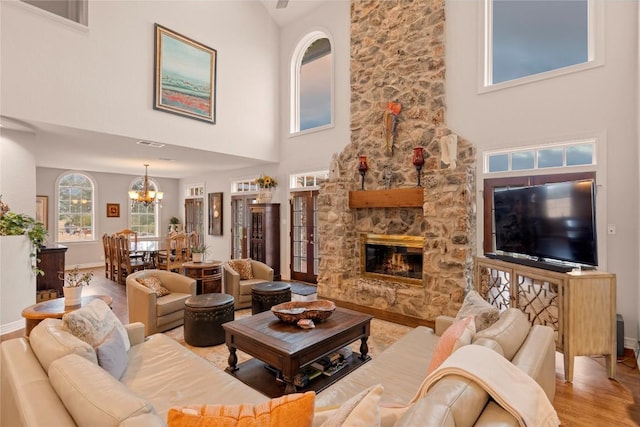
<point>15,224</point>
<point>198,252</point>
<point>73,284</point>
<point>173,224</point>
<point>266,184</point>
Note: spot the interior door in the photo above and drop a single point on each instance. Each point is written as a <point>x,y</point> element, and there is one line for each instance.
<point>194,216</point>
<point>304,236</point>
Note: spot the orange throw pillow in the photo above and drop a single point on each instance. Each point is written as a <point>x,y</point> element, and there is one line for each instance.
<point>291,410</point>
<point>242,267</point>
<point>458,334</point>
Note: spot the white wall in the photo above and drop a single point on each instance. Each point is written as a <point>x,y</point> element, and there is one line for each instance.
<point>109,188</point>
<point>101,79</point>
<point>599,102</point>
<point>18,189</point>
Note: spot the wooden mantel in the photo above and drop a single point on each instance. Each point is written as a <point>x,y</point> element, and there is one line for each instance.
<point>390,198</point>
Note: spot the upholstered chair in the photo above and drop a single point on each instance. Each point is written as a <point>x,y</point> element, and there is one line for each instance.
<point>158,313</point>
<point>239,288</point>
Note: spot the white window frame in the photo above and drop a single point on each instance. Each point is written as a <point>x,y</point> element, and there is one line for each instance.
<point>595,55</point>
<point>156,206</point>
<point>244,186</point>
<point>293,180</point>
<point>294,79</point>
<point>93,209</point>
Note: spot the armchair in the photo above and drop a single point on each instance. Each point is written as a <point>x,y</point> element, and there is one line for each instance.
<point>158,314</point>
<point>241,289</point>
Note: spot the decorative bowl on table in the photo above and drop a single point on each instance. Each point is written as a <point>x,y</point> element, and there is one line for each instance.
<point>293,311</point>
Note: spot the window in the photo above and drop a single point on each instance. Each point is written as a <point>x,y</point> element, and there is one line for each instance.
<point>144,218</point>
<point>580,153</point>
<point>525,38</point>
<point>245,186</point>
<point>308,179</point>
<point>74,10</point>
<point>312,83</point>
<point>75,208</point>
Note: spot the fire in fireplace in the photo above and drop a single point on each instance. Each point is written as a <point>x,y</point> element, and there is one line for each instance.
<point>392,257</point>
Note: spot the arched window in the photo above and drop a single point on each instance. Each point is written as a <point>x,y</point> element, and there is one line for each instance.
<point>144,218</point>
<point>312,83</point>
<point>75,208</point>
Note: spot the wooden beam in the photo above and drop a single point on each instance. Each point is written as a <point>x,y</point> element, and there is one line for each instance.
<point>391,198</point>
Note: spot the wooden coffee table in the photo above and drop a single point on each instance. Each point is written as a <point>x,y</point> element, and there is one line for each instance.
<point>288,348</point>
<point>55,309</point>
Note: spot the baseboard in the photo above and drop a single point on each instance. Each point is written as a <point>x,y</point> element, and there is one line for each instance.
<point>83,266</point>
<point>7,328</point>
<point>631,343</point>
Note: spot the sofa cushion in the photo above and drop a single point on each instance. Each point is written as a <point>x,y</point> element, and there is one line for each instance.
<point>112,356</point>
<point>425,413</point>
<point>50,342</point>
<point>509,331</point>
<point>484,314</point>
<point>291,410</point>
<point>459,334</point>
<point>360,410</point>
<point>93,323</point>
<point>91,395</point>
<point>242,267</point>
<point>170,303</point>
<point>154,283</point>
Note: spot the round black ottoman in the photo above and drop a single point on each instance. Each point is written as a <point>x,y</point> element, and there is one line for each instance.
<point>266,295</point>
<point>203,318</point>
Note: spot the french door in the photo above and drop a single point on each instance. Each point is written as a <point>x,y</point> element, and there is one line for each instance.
<point>240,217</point>
<point>304,236</point>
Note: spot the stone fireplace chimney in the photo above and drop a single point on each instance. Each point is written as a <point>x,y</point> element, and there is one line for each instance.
<point>397,56</point>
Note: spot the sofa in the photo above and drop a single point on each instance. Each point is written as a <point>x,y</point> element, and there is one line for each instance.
<point>158,313</point>
<point>239,286</point>
<point>51,379</point>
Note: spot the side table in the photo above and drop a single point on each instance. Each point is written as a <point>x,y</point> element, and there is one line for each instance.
<point>55,309</point>
<point>208,275</point>
<point>266,295</point>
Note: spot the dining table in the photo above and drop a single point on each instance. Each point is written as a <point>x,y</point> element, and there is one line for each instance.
<point>148,249</point>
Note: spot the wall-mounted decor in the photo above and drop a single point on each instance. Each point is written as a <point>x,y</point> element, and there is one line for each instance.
<point>215,214</point>
<point>42,208</point>
<point>113,210</point>
<point>185,76</point>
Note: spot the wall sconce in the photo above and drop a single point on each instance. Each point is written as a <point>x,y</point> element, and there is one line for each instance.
<point>418,161</point>
<point>362,167</point>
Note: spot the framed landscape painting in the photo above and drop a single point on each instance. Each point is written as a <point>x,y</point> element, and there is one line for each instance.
<point>185,76</point>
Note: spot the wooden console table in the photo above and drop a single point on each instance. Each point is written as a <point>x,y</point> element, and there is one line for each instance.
<point>51,261</point>
<point>579,306</point>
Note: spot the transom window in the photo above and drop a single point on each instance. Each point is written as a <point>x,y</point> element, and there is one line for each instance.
<point>312,83</point>
<point>73,10</point>
<point>580,153</point>
<point>526,38</point>
<point>308,180</point>
<point>75,211</point>
<point>144,218</point>
<point>245,186</point>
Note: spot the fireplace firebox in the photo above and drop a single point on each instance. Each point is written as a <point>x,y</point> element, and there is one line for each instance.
<point>392,257</point>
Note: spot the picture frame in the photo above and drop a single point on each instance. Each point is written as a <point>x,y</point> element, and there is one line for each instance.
<point>215,214</point>
<point>42,210</point>
<point>113,210</point>
<point>185,76</point>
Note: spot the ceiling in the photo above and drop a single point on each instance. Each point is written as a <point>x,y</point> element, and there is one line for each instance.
<point>68,148</point>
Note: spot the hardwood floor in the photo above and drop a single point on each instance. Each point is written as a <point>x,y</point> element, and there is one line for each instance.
<point>592,400</point>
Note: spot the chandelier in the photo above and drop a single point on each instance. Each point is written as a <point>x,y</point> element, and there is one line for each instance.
<point>145,195</point>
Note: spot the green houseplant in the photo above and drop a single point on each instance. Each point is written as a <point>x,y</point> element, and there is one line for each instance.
<point>73,284</point>
<point>198,252</point>
<point>15,224</point>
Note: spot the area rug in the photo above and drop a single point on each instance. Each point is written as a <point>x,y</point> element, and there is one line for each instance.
<point>303,289</point>
<point>383,334</point>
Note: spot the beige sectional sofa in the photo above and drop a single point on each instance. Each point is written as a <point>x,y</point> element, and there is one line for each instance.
<point>52,379</point>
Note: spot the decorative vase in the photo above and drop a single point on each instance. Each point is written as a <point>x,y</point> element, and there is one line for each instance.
<point>197,257</point>
<point>72,295</point>
<point>265,195</point>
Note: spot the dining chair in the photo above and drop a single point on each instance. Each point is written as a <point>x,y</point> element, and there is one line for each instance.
<point>114,258</point>
<point>132,237</point>
<point>108,270</point>
<point>178,252</point>
<point>127,263</point>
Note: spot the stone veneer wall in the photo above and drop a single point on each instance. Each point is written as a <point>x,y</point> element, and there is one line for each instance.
<point>397,54</point>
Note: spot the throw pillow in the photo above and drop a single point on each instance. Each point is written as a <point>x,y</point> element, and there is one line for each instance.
<point>50,342</point>
<point>112,356</point>
<point>457,335</point>
<point>93,323</point>
<point>361,410</point>
<point>154,283</point>
<point>291,410</point>
<point>243,268</point>
<point>484,314</point>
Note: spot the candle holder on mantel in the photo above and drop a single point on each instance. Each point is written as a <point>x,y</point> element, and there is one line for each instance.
<point>362,167</point>
<point>418,161</point>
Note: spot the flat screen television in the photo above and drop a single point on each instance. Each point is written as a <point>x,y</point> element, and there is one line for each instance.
<point>555,221</point>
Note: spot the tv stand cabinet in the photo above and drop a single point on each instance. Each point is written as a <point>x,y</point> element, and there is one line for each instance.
<point>579,306</point>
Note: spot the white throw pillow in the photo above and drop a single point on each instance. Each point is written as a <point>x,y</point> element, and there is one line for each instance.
<point>50,342</point>
<point>93,323</point>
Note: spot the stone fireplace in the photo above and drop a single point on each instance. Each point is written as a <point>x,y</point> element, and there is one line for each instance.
<point>391,257</point>
<point>397,55</point>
